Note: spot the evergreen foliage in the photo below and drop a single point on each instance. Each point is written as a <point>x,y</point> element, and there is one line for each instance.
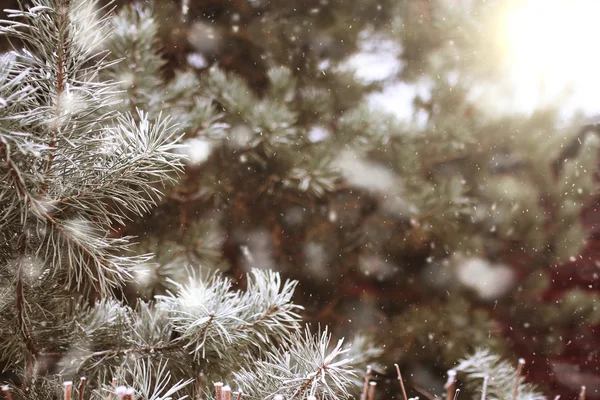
<point>459,205</point>
<point>80,157</point>
<point>502,380</point>
<point>231,138</point>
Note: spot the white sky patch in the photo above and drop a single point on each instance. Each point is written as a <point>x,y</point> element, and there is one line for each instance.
<point>523,95</point>
<point>371,67</point>
<point>515,95</point>
<point>545,66</point>
<point>397,99</point>
<point>377,58</point>
<point>549,58</point>
<point>550,47</point>
<point>584,99</point>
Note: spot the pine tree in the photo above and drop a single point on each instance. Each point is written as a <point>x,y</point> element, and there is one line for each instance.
<point>454,230</point>
<point>460,214</point>
<point>81,157</point>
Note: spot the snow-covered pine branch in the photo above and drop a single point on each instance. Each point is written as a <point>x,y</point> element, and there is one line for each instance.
<point>204,320</point>
<point>305,366</point>
<point>71,168</point>
<point>503,381</point>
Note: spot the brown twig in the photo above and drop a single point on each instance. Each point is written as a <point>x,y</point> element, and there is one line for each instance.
<point>366,383</point>
<point>82,387</point>
<point>6,392</point>
<point>456,394</point>
<point>68,390</point>
<point>308,382</point>
<point>219,390</point>
<point>372,386</point>
<point>200,386</point>
<point>401,381</point>
<point>424,392</point>
<point>450,384</point>
<point>226,392</point>
<point>517,378</point>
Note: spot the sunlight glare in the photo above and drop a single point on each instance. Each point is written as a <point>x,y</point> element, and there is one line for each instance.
<point>553,42</point>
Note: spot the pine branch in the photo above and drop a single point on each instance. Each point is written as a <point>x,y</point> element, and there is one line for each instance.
<point>304,366</point>
<point>174,345</point>
<point>503,381</point>
<point>60,140</point>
